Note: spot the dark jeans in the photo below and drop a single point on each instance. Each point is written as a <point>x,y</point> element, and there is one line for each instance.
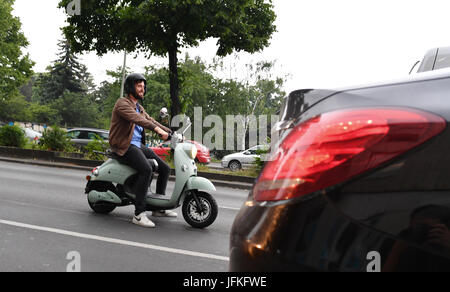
<point>137,158</point>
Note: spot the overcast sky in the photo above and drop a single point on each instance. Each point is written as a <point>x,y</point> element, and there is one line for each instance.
<point>320,43</point>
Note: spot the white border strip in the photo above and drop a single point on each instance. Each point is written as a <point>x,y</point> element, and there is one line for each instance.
<point>115,241</point>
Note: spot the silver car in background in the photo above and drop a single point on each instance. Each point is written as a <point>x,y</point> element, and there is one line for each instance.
<point>242,159</point>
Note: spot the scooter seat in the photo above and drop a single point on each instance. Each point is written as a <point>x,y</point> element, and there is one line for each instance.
<point>122,160</point>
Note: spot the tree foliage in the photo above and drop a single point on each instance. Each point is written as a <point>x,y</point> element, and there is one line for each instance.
<point>12,136</point>
<point>56,139</point>
<point>162,27</point>
<point>64,94</point>
<point>66,74</point>
<point>15,67</point>
<point>76,110</point>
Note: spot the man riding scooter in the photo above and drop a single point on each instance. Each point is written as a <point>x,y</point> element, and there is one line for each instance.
<point>127,138</point>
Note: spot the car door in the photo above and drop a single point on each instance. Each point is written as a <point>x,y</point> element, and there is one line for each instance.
<point>104,136</point>
<point>81,139</point>
<point>74,137</point>
<point>249,157</point>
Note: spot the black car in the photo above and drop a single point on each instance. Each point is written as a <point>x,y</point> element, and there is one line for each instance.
<point>82,136</point>
<point>360,181</point>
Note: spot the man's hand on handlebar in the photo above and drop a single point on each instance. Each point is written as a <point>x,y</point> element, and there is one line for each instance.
<point>163,134</point>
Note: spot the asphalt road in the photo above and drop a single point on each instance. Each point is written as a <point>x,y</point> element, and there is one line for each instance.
<point>47,225</point>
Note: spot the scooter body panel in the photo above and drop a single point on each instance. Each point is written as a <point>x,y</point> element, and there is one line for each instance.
<point>185,167</point>
<point>199,183</point>
<point>109,197</point>
<point>115,172</point>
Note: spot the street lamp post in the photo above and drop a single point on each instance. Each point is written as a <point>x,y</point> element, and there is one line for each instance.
<point>123,73</point>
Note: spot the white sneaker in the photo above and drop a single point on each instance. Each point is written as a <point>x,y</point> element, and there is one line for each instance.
<point>143,221</point>
<point>166,213</point>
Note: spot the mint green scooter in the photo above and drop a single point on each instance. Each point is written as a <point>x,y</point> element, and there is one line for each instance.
<point>111,185</point>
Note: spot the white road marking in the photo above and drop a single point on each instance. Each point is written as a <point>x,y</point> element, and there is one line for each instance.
<point>79,212</point>
<point>229,208</point>
<point>115,241</point>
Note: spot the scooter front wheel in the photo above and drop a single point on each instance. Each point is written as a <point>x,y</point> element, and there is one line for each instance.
<point>200,217</point>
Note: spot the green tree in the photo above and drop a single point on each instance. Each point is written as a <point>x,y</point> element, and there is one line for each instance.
<point>44,114</point>
<point>260,93</point>
<point>196,86</point>
<point>76,109</point>
<point>163,27</point>
<point>15,68</point>
<point>66,74</point>
<point>106,95</point>
<point>65,94</point>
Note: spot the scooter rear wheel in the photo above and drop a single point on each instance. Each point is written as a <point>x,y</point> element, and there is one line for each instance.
<point>101,207</point>
<point>200,219</point>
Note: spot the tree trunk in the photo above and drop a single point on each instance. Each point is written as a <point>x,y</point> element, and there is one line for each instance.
<point>175,108</point>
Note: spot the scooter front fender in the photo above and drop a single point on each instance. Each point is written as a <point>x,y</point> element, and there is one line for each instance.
<point>199,183</point>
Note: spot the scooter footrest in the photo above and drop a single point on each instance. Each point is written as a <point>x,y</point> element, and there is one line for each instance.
<point>157,196</point>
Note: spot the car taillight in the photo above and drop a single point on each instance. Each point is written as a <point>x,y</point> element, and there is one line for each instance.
<point>334,147</point>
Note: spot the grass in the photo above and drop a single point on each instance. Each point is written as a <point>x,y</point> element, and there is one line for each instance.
<point>215,160</point>
<point>250,172</point>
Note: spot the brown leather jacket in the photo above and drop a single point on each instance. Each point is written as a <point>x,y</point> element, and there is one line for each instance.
<point>124,118</point>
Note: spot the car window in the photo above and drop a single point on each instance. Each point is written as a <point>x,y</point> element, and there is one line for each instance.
<point>264,148</point>
<point>83,135</point>
<point>91,135</point>
<point>104,136</point>
<point>428,61</point>
<point>443,58</point>
<point>73,134</point>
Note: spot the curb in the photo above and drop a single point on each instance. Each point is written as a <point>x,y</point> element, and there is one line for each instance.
<point>71,164</point>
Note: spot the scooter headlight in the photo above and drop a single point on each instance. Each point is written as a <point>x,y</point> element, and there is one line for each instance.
<point>190,150</point>
<point>193,152</point>
<point>95,171</point>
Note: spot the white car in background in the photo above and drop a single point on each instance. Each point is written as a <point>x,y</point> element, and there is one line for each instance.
<point>31,134</point>
<point>242,159</point>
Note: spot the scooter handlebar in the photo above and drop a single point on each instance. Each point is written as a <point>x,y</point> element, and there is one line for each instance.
<point>175,138</point>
